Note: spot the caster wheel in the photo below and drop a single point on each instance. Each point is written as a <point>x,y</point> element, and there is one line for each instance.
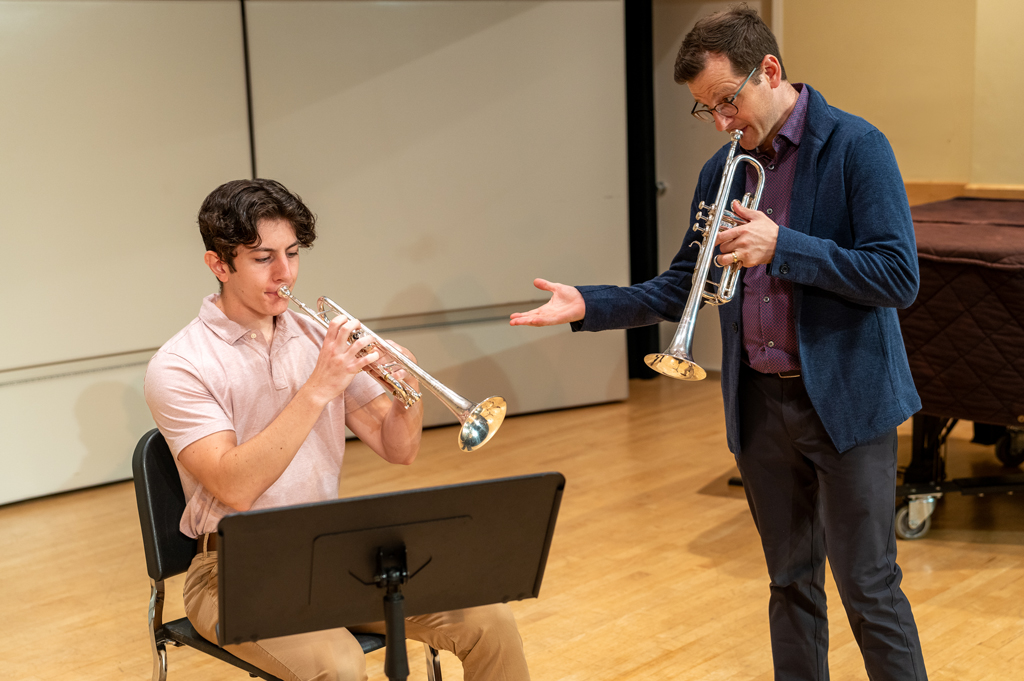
<point>903,528</point>
<point>1010,448</point>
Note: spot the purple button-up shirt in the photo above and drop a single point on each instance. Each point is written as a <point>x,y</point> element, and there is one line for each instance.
<point>769,324</point>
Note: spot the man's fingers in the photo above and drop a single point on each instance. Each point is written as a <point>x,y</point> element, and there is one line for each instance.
<point>544,285</point>
<point>520,318</point>
<point>533,317</point>
<point>739,209</point>
<point>366,360</point>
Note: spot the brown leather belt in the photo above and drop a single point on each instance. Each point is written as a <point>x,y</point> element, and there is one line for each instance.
<point>211,542</point>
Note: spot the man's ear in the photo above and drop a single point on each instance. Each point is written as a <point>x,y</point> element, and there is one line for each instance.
<point>219,268</point>
<point>772,70</point>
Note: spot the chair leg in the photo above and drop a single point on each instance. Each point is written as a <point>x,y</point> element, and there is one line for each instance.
<point>159,662</point>
<point>433,663</point>
<point>156,615</point>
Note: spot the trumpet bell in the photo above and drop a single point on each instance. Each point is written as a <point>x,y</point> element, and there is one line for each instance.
<point>482,423</point>
<point>675,367</point>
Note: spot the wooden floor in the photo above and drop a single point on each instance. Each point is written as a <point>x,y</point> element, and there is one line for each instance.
<point>655,570</point>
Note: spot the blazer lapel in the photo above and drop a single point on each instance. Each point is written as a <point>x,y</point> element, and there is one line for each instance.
<point>818,127</point>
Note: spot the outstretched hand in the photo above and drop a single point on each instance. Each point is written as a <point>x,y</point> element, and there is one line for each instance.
<point>566,305</point>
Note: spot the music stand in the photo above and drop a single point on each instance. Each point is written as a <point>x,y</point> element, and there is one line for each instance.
<point>353,561</point>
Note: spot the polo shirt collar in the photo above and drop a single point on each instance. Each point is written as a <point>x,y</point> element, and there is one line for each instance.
<point>231,332</point>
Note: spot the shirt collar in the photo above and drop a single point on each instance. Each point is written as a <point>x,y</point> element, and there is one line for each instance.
<point>230,332</point>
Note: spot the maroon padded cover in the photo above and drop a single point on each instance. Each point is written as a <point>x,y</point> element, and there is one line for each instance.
<point>965,332</point>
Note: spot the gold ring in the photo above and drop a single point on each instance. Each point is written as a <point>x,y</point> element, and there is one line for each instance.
<point>735,258</point>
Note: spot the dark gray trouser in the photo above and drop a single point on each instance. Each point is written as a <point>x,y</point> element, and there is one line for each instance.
<point>803,495</point>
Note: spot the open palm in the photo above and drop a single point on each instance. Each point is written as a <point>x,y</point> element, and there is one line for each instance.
<point>566,305</point>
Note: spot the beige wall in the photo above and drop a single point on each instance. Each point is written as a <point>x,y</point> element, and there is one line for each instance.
<point>999,100</point>
<point>940,78</point>
<point>907,66</point>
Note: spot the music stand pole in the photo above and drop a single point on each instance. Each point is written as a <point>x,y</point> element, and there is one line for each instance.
<point>392,573</point>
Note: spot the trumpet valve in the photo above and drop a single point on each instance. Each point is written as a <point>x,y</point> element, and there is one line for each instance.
<point>730,219</point>
<point>403,393</point>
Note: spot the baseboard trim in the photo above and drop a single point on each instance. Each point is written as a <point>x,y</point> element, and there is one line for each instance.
<point>995,191</point>
<point>928,192</point>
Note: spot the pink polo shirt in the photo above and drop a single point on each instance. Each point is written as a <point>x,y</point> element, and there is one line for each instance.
<point>217,375</point>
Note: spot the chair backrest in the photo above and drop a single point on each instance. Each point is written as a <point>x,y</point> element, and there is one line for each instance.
<point>161,502</point>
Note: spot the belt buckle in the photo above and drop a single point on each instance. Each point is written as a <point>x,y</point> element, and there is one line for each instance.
<point>792,373</point>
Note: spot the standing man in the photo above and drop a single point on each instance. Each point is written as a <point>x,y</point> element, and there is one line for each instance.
<point>253,400</point>
<point>814,373</point>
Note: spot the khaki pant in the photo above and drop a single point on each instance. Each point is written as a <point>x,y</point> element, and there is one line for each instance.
<point>486,639</point>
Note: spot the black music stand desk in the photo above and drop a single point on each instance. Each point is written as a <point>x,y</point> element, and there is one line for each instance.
<point>389,556</point>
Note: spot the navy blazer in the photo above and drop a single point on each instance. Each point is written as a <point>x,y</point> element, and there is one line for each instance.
<point>852,257</point>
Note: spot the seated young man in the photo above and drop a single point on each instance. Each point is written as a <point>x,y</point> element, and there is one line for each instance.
<point>253,400</point>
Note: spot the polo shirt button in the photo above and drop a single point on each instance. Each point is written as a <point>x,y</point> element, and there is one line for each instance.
<point>771,344</point>
<point>769,211</point>
<point>252,336</point>
<point>771,167</point>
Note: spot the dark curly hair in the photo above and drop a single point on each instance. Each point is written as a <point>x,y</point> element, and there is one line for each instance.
<point>738,33</point>
<point>231,214</point>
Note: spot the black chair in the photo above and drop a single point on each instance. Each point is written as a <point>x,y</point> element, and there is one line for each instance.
<point>161,503</point>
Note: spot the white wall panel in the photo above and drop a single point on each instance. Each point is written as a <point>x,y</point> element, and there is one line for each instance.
<point>73,429</point>
<point>116,119</point>
<point>452,150</point>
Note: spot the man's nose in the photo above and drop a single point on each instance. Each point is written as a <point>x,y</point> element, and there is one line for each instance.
<point>282,269</point>
<point>722,121</point>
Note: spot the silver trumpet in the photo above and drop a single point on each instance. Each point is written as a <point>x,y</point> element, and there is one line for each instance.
<point>677,360</point>
<point>479,421</point>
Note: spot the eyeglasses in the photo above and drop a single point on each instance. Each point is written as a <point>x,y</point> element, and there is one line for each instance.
<point>726,108</point>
